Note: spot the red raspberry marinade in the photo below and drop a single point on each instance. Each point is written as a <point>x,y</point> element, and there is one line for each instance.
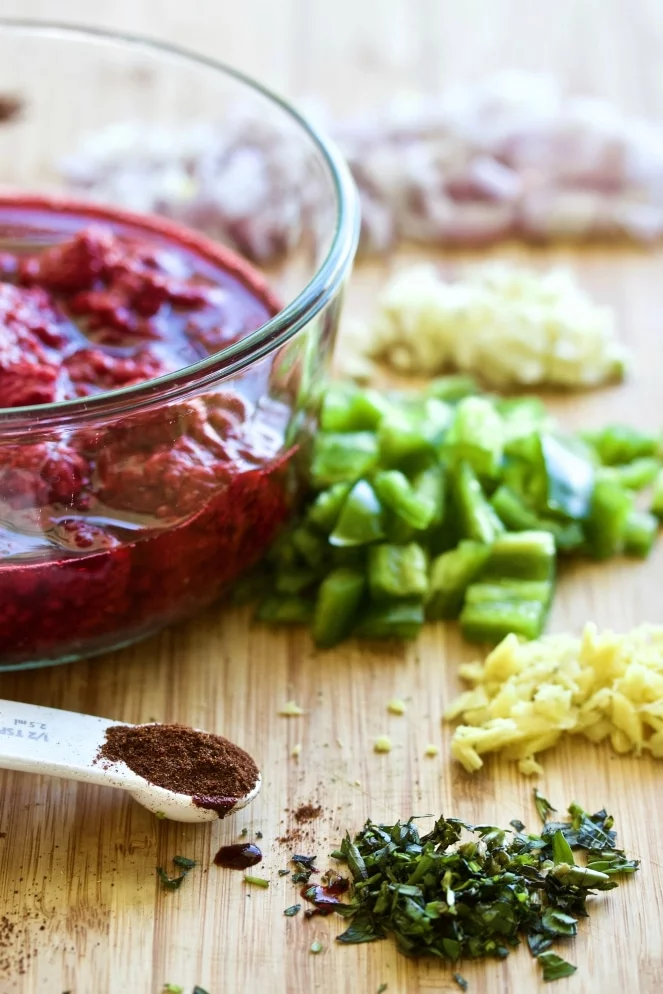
<point>113,529</point>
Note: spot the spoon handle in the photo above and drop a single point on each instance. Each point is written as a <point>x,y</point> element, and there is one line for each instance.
<point>45,740</point>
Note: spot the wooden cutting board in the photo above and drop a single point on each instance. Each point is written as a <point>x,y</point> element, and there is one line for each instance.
<point>84,912</point>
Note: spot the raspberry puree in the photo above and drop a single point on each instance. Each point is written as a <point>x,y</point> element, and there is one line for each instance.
<point>113,528</point>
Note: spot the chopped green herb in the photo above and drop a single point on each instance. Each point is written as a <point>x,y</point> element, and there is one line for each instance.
<point>172,989</point>
<point>284,873</point>
<point>157,814</point>
<point>382,988</point>
<point>256,881</point>
<point>561,850</point>
<point>244,832</point>
<point>199,990</point>
<point>461,981</point>
<point>554,967</point>
<point>170,883</point>
<point>453,895</point>
<point>517,825</point>
<point>543,806</point>
<point>301,877</point>
<point>316,946</point>
<point>258,835</point>
<point>184,862</point>
<point>294,909</point>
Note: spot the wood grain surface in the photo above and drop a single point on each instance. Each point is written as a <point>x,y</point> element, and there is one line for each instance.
<point>77,863</point>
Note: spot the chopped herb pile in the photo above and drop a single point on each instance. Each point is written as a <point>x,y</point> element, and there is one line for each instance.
<point>440,895</point>
<point>448,503</point>
<point>174,883</point>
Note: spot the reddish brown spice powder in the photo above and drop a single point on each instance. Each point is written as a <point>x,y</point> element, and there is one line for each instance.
<point>214,771</point>
<point>307,812</point>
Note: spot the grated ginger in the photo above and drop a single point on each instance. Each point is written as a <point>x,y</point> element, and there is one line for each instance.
<point>508,324</point>
<point>525,696</point>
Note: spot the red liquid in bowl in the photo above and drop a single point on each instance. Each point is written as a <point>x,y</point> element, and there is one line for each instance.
<point>111,530</point>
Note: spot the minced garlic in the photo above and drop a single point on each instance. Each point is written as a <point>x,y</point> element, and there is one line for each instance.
<point>396,706</point>
<point>431,750</point>
<point>291,710</point>
<point>382,744</point>
<point>525,696</point>
<point>508,324</point>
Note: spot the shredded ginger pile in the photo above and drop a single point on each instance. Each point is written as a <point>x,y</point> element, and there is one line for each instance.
<point>506,323</point>
<point>525,696</point>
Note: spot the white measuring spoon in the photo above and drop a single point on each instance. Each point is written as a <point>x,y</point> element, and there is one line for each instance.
<point>65,744</point>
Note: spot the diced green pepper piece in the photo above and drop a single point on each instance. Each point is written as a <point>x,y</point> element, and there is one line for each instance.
<point>606,526</point>
<point>397,571</point>
<point>397,531</point>
<point>450,576</point>
<point>294,579</point>
<point>523,416</point>
<point>510,590</point>
<point>347,408</point>
<point>569,477</point>
<point>285,610</point>
<point>657,496</point>
<point>633,476</point>
<point>640,533</point>
<point>452,388</point>
<point>339,458</point>
<point>407,437</point>
<point>336,606</point>
<point>491,621</point>
<point>476,436</point>
<point>430,488</point>
<point>310,546</point>
<point>420,503</point>
<point>528,555</point>
<point>400,620</point>
<point>618,444</point>
<point>518,517</point>
<point>478,520</point>
<point>325,509</point>
<point>360,520</point>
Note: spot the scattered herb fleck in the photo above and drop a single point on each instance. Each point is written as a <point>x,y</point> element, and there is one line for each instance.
<point>517,825</point>
<point>244,832</point>
<point>157,814</point>
<point>554,967</point>
<point>543,806</point>
<point>172,989</point>
<point>284,873</point>
<point>199,990</point>
<point>293,910</point>
<point>461,981</point>
<point>316,946</point>
<point>382,744</point>
<point>382,988</point>
<point>258,835</point>
<point>256,881</point>
<point>170,883</point>
<point>438,894</point>
<point>184,862</point>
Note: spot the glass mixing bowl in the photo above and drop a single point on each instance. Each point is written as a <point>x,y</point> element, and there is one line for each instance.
<point>127,510</point>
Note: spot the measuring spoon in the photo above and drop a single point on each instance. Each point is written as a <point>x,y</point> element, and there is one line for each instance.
<point>65,744</point>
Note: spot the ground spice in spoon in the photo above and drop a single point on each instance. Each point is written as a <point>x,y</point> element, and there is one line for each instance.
<point>214,771</point>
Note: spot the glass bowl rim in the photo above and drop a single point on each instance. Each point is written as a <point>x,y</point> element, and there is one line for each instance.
<point>271,335</point>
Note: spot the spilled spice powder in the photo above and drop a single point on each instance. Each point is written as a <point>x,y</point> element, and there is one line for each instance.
<point>214,771</point>
<point>307,812</point>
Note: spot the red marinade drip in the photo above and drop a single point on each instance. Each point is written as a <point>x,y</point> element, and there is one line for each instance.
<point>239,856</point>
<point>117,531</point>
